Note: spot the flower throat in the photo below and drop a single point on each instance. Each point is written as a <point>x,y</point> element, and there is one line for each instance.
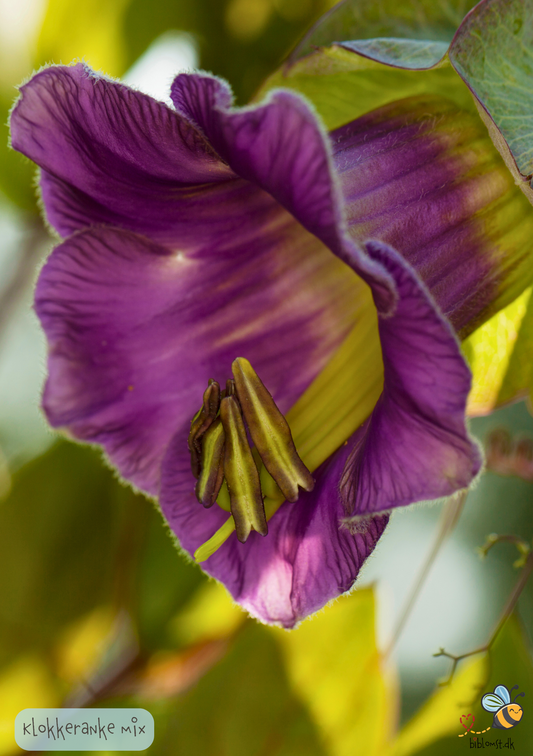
<point>220,451</point>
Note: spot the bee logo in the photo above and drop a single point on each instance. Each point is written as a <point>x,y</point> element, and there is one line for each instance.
<point>507,713</point>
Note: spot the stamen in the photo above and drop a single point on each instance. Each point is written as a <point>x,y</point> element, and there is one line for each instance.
<point>270,432</point>
<point>212,464</point>
<point>200,423</point>
<point>340,398</point>
<point>330,410</point>
<point>241,473</point>
<point>218,538</point>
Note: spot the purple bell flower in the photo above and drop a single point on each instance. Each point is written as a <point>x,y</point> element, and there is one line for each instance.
<point>203,234</point>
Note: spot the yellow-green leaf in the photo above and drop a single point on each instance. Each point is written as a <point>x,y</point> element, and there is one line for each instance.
<point>435,729</point>
<point>343,85</point>
<point>90,30</point>
<point>492,52</point>
<point>440,714</point>
<point>335,667</point>
<point>499,355</point>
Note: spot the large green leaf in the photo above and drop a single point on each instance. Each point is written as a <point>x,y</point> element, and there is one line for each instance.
<point>59,530</point>
<point>426,20</point>
<point>244,705</point>
<point>364,54</point>
<point>90,30</point>
<point>163,582</point>
<point>499,355</point>
<point>26,683</point>
<point>75,547</point>
<point>493,52</point>
<point>510,664</point>
<point>335,667</point>
<point>343,85</point>
<point>518,377</point>
<point>319,689</point>
<point>440,714</point>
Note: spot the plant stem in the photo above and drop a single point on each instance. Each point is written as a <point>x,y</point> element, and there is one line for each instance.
<point>504,616</point>
<point>451,512</point>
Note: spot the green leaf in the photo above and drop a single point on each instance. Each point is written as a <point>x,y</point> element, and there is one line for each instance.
<point>210,614</point>
<point>518,378</point>
<point>510,664</point>
<point>440,714</point>
<point>90,30</point>
<point>335,667</point>
<point>499,355</point>
<point>493,53</point>
<point>427,20</point>
<point>244,705</point>
<point>26,683</point>
<point>164,581</point>
<point>403,53</point>
<point>16,172</point>
<point>343,85</point>
<point>362,55</point>
<point>59,533</point>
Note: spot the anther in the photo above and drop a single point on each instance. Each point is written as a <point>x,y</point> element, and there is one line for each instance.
<point>212,464</point>
<point>200,423</point>
<point>270,432</point>
<point>241,474</point>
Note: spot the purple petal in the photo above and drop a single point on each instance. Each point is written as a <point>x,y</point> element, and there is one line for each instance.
<point>281,147</point>
<point>305,560</point>
<point>135,331</point>
<point>112,155</point>
<point>115,156</point>
<point>415,445</point>
<point>424,177</point>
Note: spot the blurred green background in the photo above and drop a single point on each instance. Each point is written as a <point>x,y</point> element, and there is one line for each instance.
<point>97,607</point>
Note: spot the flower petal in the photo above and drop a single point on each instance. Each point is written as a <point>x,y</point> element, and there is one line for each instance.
<point>305,560</point>
<point>415,445</point>
<point>112,155</point>
<point>281,147</point>
<point>423,176</point>
<point>136,331</point>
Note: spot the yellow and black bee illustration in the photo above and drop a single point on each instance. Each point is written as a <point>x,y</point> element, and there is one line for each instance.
<point>507,713</point>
